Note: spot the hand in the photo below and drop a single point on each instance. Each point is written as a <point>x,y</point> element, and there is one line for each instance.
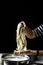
<point>16,51</point>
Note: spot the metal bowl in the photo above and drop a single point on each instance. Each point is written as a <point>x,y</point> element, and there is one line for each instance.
<point>12,59</point>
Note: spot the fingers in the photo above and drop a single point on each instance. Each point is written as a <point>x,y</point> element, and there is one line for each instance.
<point>16,52</point>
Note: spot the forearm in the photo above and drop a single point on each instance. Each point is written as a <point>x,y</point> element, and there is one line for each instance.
<point>29,52</point>
<point>29,33</point>
<point>41,52</point>
<point>32,52</point>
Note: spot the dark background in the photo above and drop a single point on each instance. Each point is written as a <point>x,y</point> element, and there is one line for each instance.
<point>11,15</point>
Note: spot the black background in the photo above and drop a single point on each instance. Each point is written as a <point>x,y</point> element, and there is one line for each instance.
<point>11,15</point>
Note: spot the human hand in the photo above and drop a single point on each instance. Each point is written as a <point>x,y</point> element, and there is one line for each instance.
<point>16,52</point>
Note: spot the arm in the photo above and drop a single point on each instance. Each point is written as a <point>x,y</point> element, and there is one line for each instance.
<point>32,52</point>
<point>26,52</point>
<point>29,33</point>
<point>29,52</point>
<point>34,33</point>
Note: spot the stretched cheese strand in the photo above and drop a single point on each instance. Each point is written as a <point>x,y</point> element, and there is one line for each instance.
<point>21,38</point>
